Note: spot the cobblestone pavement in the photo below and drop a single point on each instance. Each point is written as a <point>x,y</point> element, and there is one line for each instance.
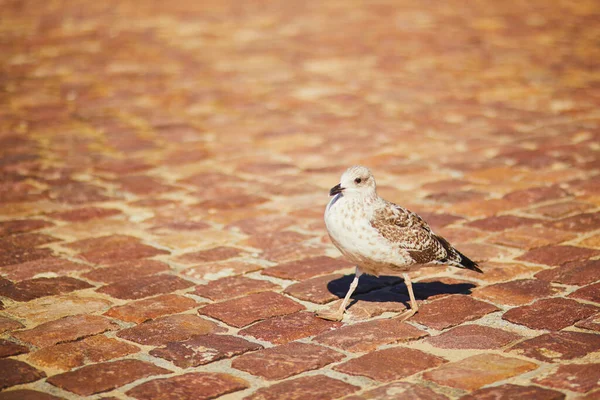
<point>165,166</point>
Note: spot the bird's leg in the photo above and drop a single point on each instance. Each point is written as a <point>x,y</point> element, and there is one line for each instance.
<point>339,314</point>
<point>414,307</point>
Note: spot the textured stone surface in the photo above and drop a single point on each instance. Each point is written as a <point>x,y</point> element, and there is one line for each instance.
<point>195,385</point>
<point>234,286</point>
<point>8,348</point>
<point>305,388</point>
<point>203,349</point>
<point>509,391</point>
<point>477,371</point>
<point>558,255</point>
<point>40,287</point>
<point>575,273</point>
<point>145,286</point>
<point>255,307</point>
<point>473,337</point>
<point>399,390</point>
<point>451,311</point>
<point>284,361</point>
<point>557,346</point>
<point>383,365</point>
<point>307,268</point>
<point>50,266</point>
<point>125,270</point>
<point>366,336</point>
<point>168,329</point>
<point>102,377</point>
<point>26,394</point>
<point>151,308</point>
<point>289,327</point>
<point>17,372</point>
<point>517,292</point>
<point>7,324</point>
<point>552,314</point>
<point>114,248</point>
<point>589,293</point>
<point>580,378</point>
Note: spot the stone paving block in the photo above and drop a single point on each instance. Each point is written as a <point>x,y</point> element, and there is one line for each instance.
<point>84,214</point>
<point>27,394</point>
<point>473,337</point>
<point>216,270</point>
<point>509,391</point>
<point>286,360</point>
<point>307,268</point>
<point>203,349</point>
<point>50,265</point>
<point>47,309</point>
<point>589,293</point>
<point>126,270</point>
<point>580,378</point>
<point>517,292</point>
<point>558,255</point>
<point>145,286</point>
<point>12,227</point>
<point>531,237</point>
<point>19,255</point>
<point>504,271</point>
<point>579,223</point>
<point>190,386</point>
<point>557,346</point>
<point>401,390</point>
<point>17,372</point>
<point>66,356</point>
<point>501,222</point>
<point>305,388</point>
<point>248,309</point>
<point>66,329</point>
<point>41,287</point>
<point>287,328</point>
<point>591,323</point>
<point>98,378</point>
<point>8,325</point>
<point>151,308</point>
<point>169,329</point>
<point>373,304</point>
<point>383,365</point>
<point>558,210</point>
<point>234,286</point>
<point>591,241</point>
<point>113,249</point>
<point>8,348</point>
<point>451,311</point>
<point>479,370</point>
<point>210,255</point>
<point>575,273</point>
<point>552,314</point>
<point>367,336</point>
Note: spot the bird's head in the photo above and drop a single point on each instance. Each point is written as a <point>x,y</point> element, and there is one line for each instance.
<point>357,181</point>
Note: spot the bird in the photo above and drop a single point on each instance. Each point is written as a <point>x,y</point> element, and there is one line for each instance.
<point>379,236</point>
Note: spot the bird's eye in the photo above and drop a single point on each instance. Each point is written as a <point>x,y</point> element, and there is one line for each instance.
<point>357,180</point>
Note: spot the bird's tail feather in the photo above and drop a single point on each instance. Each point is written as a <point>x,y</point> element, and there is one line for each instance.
<point>456,258</point>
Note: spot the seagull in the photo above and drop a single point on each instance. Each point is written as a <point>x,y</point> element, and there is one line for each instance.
<point>379,236</point>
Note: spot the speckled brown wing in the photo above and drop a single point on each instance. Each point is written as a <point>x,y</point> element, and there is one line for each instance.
<point>405,230</point>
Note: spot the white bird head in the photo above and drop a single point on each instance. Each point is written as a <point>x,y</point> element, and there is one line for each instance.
<point>356,181</point>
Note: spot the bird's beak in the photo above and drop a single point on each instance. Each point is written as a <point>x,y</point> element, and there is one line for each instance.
<point>336,189</point>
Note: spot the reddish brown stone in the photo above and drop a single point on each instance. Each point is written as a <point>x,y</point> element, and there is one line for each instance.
<point>143,185</point>
<point>480,252</point>
<point>46,309</point>
<point>21,255</point>
<point>290,327</point>
<point>53,265</point>
<point>17,372</point>
<point>509,391</point>
<point>114,248</point>
<point>169,329</point>
<point>367,336</point>
<point>192,386</point>
<point>151,308</point>
<point>578,223</point>
<point>204,349</point>
<point>517,292</point>
<point>214,254</point>
<point>452,310</point>
<point>284,361</point>
<point>324,289</point>
<point>575,377</point>
<point>125,166</point>
<point>383,365</point>
<point>552,314</point>
<point>232,202</point>
<point>26,394</point>
<point>262,224</point>
<point>8,325</point>
<point>8,348</point>
<point>372,304</point>
<point>531,237</point>
<point>473,337</point>
<point>234,286</point>
<point>399,390</point>
<point>22,225</point>
<point>125,270</point>
<point>501,222</point>
<point>77,193</point>
<point>558,255</point>
<point>589,293</point>
<point>93,349</point>
<point>556,346</point>
<point>575,273</point>
<point>211,271</point>
<point>535,195</point>
<point>305,388</point>
<point>476,371</point>
<point>40,287</point>
<point>84,214</point>
<point>145,286</point>
<point>255,307</point>
<point>592,323</point>
<point>307,268</point>
<point>103,377</point>
<point>455,196</point>
<point>66,329</point>
<point>557,210</point>
<point>25,240</point>
<point>271,239</point>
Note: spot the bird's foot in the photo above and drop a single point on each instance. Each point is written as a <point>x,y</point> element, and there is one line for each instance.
<point>407,314</point>
<point>330,315</point>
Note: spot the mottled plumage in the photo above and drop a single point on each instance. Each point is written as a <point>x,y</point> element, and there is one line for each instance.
<point>379,236</point>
